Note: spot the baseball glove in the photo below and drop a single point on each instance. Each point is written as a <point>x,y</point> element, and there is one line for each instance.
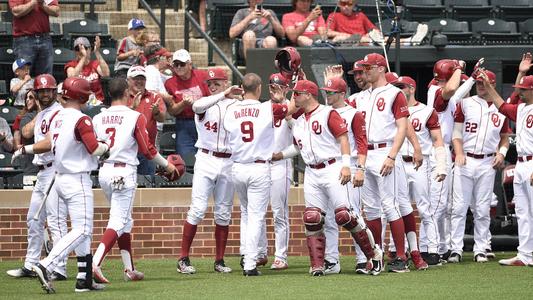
<point>177,161</point>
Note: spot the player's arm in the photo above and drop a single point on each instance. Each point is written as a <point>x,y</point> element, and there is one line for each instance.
<point>509,110</point>
<point>451,86</point>
<point>289,152</point>
<point>337,126</point>
<point>84,133</point>
<point>503,145</point>
<point>457,136</point>
<point>146,148</point>
<point>523,68</point>
<point>418,158</point>
<point>361,141</point>
<point>43,146</point>
<point>438,143</point>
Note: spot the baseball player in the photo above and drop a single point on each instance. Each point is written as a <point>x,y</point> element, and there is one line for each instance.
<point>72,140</point>
<point>480,141</point>
<point>250,125</point>
<point>522,114</point>
<point>126,131</point>
<point>45,90</point>
<point>425,123</point>
<point>212,169</point>
<point>359,77</point>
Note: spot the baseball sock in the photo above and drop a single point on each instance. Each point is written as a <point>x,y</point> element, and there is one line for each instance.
<point>375,228</point>
<point>82,267</point>
<point>410,231</point>
<point>398,235</point>
<point>189,231</point>
<point>124,244</point>
<point>221,238</point>
<point>108,240</point>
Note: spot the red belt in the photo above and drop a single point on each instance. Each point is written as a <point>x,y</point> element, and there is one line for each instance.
<point>479,156</point>
<point>376,146</point>
<point>407,158</point>
<point>260,161</point>
<point>119,165</point>
<point>322,165</point>
<point>525,158</point>
<point>216,154</point>
<point>42,167</point>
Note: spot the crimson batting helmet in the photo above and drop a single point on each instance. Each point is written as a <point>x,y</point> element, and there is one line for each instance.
<point>177,161</point>
<point>288,61</point>
<point>76,88</point>
<point>444,68</point>
<point>44,81</point>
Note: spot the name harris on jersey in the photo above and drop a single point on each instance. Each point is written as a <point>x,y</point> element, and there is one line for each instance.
<point>109,120</point>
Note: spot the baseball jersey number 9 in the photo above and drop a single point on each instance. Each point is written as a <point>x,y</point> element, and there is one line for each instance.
<point>247,129</point>
<point>111,132</point>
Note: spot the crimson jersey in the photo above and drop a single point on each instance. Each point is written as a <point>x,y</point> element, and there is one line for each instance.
<point>522,114</point>
<point>424,119</point>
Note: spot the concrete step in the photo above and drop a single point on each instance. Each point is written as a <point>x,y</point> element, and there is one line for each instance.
<point>195,45</point>
<point>123,17</point>
<point>171,31</point>
<point>109,6</point>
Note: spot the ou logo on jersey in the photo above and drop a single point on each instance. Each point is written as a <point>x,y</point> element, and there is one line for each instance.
<point>529,121</point>
<point>380,104</point>
<point>496,120</point>
<point>416,124</point>
<point>316,127</point>
<point>44,127</point>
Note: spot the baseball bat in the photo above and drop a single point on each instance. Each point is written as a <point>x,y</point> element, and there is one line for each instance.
<point>36,216</point>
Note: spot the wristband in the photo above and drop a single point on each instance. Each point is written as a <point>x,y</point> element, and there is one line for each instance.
<point>27,149</point>
<point>391,158</point>
<point>346,160</point>
<point>503,151</point>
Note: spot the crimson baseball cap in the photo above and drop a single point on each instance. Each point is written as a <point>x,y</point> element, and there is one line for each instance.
<point>336,84</point>
<point>391,77</point>
<point>357,66</point>
<point>374,59</point>
<point>277,78</point>
<point>216,74</point>
<point>405,80</point>
<point>306,86</point>
<point>490,75</point>
<point>526,83</point>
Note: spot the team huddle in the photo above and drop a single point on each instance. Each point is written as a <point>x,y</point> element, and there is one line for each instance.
<point>367,156</point>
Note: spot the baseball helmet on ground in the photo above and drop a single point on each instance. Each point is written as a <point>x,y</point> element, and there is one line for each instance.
<point>77,88</point>
<point>44,81</point>
<point>177,161</point>
<point>288,61</point>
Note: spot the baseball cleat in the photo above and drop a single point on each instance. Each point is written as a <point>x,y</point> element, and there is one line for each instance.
<point>262,260</point>
<point>331,268</point>
<point>42,274</point>
<point>98,275</point>
<point>360,268</point>
<point>432,259</point>
<point>481,258</point>
<point>21,272</point>
<point>241,262</point>
<point>398,266</point>
<point>418,261</point>
<point>221,267</point>
<point>184,266</point>
<point>375,266</point>
<point>513,261</point>
<point>420,34</point>
<point>490,254</point>
<point>56,276</point>
<point>279,264</point>
<point>455,258</point>
<point>319,271</point>
<point>253,272</point>
<point>82,286</point>
<point>133,275</point>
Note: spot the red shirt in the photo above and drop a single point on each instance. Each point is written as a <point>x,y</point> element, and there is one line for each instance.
<point>16,123</point>
<point>145,108</point>
<point>89,73</point>
<point>356,23</point>
<point>35,22</point>
<point>194,86</point>
<point>296,19</point>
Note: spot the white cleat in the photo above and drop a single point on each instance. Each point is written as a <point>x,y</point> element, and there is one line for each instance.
<point>133,275</point>
<point>332,268</point>
<point>513,261</point>
<point>98,275</point>
<point>481,258</point>
<point>420,34</point>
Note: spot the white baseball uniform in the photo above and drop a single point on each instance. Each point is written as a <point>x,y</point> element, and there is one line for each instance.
<point>250,127</point>
<point>73,140</point>
<point>473,183</point>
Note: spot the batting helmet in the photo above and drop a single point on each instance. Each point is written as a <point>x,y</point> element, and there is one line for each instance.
<point>44,81</point>
<point>288,61</point>
<point>444,68</point>
<point>76,88</point>
<point>177,161</point>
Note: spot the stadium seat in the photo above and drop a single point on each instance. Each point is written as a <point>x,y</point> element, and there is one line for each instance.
<point>61,57</point>
<point>144,181</point>
<point>89,29</point>
<point>5,161</point>
<point>6,16</point>
<point>9,113</point>
<point>469,10</point>
<point>6,34</point>
<point>109,55</point>
<point>513,10</point>
<point>3,89</point>
<point>94,110</point>
<point>57,37</point>
<point>168,143</point>
<point>369,8</point>
<point>457,32</point>
<point>407,28</point>
<point>424,10</point>
<point>526,29</point>
<point>221,13</point>
<point>15,182</point>
<point>496,31</point>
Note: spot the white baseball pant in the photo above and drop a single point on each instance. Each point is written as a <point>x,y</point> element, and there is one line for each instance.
<point>440,206</point>
<point>56,218</point>
<point>523,197</point>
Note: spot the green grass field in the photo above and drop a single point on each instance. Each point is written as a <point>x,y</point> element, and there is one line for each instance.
<point>467,280</point>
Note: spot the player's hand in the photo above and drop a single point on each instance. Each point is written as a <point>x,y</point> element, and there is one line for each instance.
<point>461,64</point>
<point>17,154</point>
<point>301,74</point>
<point>460,160</point>
<point>345,176</point>
<point>418,159</point>
<point>331,72</point>
<point>96,44</point>
<point>498,161</point>
<point>477,68</point>
<point>171,169</point>
<point>234,92</point>
<point>277,156</point>
<point>440,177</point>
<point>387,167</point>
<point>525,64</point>
<point>358,178</point>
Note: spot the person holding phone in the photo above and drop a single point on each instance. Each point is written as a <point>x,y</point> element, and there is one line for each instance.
<point>304,25</point>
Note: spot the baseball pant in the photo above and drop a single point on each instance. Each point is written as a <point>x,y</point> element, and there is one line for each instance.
<point>211,178</point>
<point>523,197</point>
<point>56,218</point>
<point>472,185</point>
<point>331,231</point>
<point>252,184</point>
<point>76,191</point>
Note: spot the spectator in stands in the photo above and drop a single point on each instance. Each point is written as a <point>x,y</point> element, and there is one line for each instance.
<point>198,8</point>
<point>130,48</point>
<point>151,106</point>
<point>31,28</point>
<point>185,86</point>
<point>6,138</point>
<point>255,26</point>
<point>22,83</point>
<point>30,110</point>
<point>304,25</point>
<point>91,70</point>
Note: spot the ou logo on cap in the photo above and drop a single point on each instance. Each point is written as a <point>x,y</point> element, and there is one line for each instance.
<point>211,74</point>
<point>329,83</point>
<point>276,78</point>
<point>44,81</point>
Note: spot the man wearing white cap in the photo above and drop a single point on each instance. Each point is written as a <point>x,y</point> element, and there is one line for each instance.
<point>22,82</point>
<point>186,85</point>
<point>130,48</point>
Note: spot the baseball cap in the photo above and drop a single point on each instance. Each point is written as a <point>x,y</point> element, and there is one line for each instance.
<point>19,63</point>
<point>374,59</point>
<point>526,83</point>
<point>306,86</point>
<point>336,84</point>
<point>136,24</point>
<point>277,78</point>
<point>82,41</point>
<point>136,71</point>
<point>404,80</point>
<point>490,75</point>
<point>181,55</point>
<point>216,74</point>
<point>357,66</point>
<point>391,76</point>
<point>156,51</point>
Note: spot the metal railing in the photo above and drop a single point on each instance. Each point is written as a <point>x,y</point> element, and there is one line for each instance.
<point>161,21</point>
